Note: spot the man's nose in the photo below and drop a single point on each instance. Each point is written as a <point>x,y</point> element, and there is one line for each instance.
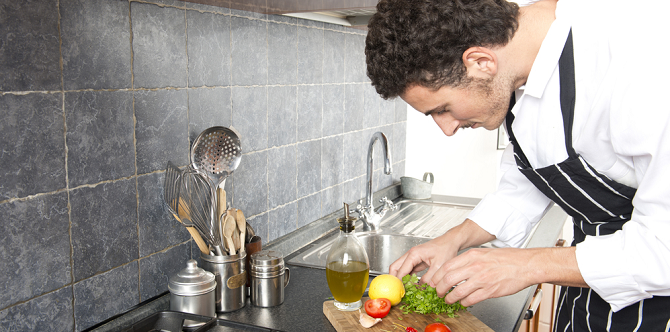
<point>447,123</point>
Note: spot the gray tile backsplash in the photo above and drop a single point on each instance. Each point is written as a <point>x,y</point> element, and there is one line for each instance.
<point>95,45</point>
<point>33,147</point>
<point>99,136</point>
<point>30,57</point>
<point>208,48</point>
<point>97,96</point>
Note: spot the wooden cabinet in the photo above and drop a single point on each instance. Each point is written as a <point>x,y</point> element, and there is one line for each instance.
<point>543,320</point>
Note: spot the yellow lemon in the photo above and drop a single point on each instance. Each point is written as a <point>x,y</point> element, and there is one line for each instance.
<point>388,287</point>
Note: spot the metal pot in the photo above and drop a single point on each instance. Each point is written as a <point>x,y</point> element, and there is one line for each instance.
<point>192,291</point>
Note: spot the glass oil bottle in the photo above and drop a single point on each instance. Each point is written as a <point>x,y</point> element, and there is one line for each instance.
<point>347,266</point>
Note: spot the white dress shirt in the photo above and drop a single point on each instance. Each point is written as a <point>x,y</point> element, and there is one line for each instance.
<point>621,128</point>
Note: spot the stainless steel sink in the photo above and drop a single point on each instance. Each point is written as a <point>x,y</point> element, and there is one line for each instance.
<point>415,222</point>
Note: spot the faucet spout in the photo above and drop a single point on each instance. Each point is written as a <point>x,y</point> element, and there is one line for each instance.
<point>371,218</point>
<point>381,138</point>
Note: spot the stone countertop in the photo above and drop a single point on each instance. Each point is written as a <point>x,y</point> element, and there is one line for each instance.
<point>302,309</point>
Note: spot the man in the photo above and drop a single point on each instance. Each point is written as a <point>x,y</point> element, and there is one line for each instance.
<point>581,87</point>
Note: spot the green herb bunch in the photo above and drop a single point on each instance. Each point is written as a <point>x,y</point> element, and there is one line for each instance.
<point>424,300</point>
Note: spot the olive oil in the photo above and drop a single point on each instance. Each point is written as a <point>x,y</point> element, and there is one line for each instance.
<point>347,281</point>
<point>347,266</point>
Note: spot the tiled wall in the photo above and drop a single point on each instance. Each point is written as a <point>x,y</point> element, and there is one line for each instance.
<point>97,95</point>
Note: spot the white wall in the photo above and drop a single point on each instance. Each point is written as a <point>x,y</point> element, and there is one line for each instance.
<point>465,164</point>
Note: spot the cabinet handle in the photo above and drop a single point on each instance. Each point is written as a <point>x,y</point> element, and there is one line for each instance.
<point>534,304</point>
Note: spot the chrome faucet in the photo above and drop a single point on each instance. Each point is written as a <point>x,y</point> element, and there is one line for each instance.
<point>372,218</point>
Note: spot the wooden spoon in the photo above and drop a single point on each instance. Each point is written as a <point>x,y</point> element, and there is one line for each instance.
<point>236,239</point>
<point>228,230</point>
<point>184,213</point>
<point>221,206</point>
<point>242,226</point>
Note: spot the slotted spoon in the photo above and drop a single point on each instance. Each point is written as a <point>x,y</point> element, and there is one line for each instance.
<point>217,151</point>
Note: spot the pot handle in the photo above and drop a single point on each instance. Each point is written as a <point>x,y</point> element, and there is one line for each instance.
<point>287,276</point>
<point>425,175</point>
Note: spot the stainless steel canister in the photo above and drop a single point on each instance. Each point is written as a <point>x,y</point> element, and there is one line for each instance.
<point>269,277</point>
<point>192,291</point>
<point>231,279</point>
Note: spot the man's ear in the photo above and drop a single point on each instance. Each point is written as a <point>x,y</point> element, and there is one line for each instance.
<point>480,62</point>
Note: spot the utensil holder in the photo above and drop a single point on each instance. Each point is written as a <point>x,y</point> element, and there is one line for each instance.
<point>231,280</point>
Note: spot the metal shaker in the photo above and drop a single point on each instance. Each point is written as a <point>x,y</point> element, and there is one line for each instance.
<point>269,276</point>
<point>192,291</point>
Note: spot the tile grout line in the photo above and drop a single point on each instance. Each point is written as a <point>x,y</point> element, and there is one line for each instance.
<point>188,104</point>
<point>297,93</point>
<point>93,185</point>
<point>65,150</point>
<point>137,194</point>
<point>267,119</point>
<point>22,93</point>
<point>230,101</point>
<point>95,275</point>
<point>323,57</point>
<point>317,192</point>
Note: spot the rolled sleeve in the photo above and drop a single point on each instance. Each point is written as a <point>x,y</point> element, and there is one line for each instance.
<point>511,212</point>
<point>625,267</point>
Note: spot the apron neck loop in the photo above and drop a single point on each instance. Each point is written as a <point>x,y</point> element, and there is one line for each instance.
<point>566,72</point>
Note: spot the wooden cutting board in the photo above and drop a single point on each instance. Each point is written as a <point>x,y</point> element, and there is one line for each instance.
<point>348,320</point>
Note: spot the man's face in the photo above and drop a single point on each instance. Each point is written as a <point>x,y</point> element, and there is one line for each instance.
<point>481,103</point>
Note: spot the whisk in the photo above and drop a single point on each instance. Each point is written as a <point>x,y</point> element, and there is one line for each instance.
<point>199,195</point>
<point>178,207</point>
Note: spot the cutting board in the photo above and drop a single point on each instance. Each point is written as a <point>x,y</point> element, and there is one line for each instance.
<point>348,320</point>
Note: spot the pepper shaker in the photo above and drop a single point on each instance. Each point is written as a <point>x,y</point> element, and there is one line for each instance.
<point>269,277</point>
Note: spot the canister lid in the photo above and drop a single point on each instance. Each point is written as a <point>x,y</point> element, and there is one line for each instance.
<point>192,281</point>
<point>267,261</point>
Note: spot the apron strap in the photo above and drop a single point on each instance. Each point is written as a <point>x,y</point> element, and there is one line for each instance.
<point>509,118</point>
<point>566,65</point>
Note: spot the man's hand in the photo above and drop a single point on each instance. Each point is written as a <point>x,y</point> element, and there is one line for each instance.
<point>481,274</point>
<point>431,255</point>
<point>434,253</point>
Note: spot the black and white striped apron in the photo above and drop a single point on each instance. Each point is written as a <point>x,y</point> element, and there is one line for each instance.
<point>598,206</point>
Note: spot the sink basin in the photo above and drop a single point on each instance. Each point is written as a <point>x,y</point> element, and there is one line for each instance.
<point>415,222</point>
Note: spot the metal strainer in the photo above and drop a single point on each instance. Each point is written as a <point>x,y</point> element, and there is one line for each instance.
<point>217,152</point>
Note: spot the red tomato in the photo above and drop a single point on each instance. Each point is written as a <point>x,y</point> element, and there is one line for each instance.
<point>378,308</point>
<point>437,327</point>
<point>411,329</point>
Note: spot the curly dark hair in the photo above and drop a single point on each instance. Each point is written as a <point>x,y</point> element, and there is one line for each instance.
<point>422,41</point>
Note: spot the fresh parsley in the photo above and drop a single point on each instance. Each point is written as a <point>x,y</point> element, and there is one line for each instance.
<point>424,300</point>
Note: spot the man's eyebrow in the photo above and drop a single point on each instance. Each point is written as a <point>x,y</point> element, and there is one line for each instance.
<point>436,109</point>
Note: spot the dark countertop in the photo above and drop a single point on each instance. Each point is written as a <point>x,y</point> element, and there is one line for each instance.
<point>302,309</point>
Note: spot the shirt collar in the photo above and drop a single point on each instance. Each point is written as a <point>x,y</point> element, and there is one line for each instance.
<point>546,61</point>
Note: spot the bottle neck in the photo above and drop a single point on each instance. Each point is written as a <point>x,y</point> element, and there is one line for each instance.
<point>347,227</point>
